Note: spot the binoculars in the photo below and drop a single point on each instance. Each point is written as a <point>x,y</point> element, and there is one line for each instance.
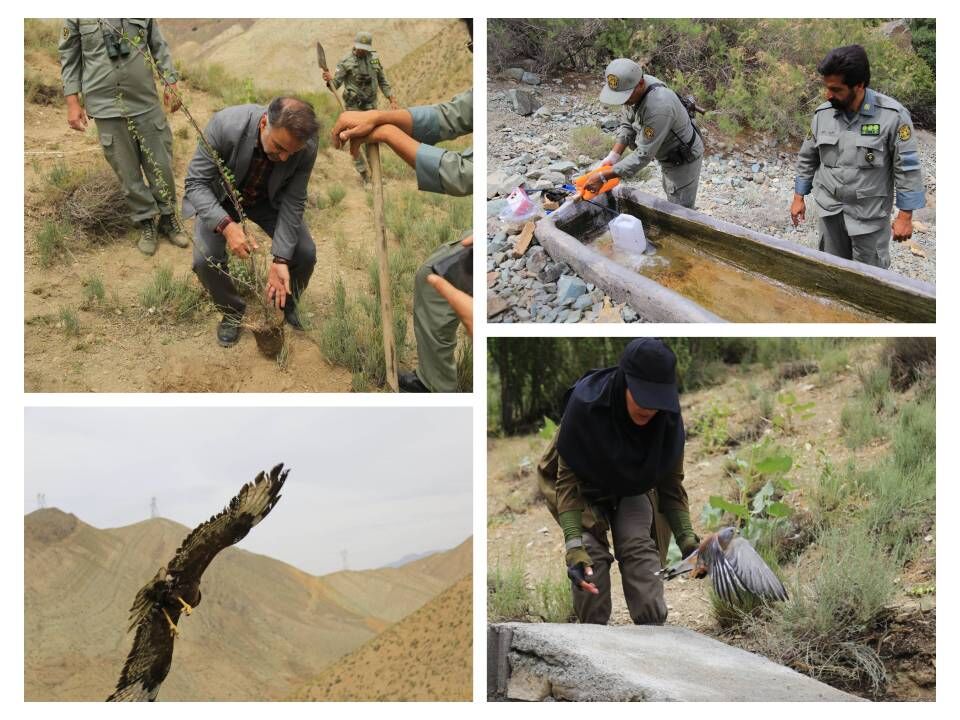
<point>116,46</point>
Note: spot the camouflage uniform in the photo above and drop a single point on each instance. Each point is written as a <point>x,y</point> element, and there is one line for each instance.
<point>120,90</point>
<point>360,77</point>
<point>853,164</point>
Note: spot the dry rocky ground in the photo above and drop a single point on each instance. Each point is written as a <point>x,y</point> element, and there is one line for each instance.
<point>520,526</point>
<point>746,180</point>
<point>123,346</point>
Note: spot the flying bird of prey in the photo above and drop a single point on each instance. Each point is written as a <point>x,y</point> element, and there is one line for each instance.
<point>735,568</point>
<point>176,588</point>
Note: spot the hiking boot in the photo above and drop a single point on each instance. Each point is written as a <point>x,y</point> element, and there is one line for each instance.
<point>147,244</point>
<point>171,229</point>
<point>228,331</point>
<point>410,383</point>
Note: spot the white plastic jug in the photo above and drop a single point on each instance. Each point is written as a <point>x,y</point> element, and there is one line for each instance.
<point>627,232</point>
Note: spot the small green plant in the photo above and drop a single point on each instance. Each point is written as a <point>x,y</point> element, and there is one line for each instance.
<point>166,295</point>
<point>759,510</point>
<point>336,193</point>
<point>918,591</point>
<point>68,322</point>
<point>554,599</point>
<point>792,411</point>
<point>861,423</point>
<point>93,291</point>
<point>591,141</point>
<point>51,242</point>
<point>712,427</point>
<point>508,597</point>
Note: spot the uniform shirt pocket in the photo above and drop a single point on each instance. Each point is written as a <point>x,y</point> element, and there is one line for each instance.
<point>91,38</point>
<point>871,152</point>
<point>829,149</point>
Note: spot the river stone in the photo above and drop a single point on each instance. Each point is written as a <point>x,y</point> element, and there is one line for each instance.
<point>514,73</point>
<point>530,78</point>
<point>536,259</point>
<point>564,166</point>
<point>569,288</point>
<point>523,102</point>
<point>550,274</point>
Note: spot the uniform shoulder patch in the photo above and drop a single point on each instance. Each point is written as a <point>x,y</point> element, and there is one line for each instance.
<point>870,129</point>
<point>648,133</point>
<point>904,133</point>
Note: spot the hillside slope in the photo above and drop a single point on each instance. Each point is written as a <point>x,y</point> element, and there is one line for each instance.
<point>427,656</point>
<point>262,628</point>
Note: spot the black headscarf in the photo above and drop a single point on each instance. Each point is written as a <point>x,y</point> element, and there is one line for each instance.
<point>610,454</point>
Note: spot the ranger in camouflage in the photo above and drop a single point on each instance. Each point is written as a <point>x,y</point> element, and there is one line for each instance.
<point>861,150</point>
<point>360,73</point>
<point>120,94</point>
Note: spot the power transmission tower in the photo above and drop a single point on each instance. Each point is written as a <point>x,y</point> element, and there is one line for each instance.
<point>41,500</point>
<point>153,508</point>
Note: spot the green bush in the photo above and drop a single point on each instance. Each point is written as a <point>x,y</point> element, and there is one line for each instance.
<point>51,241</point>
<point>169,296</point>
<point>507,595</point>
<point>750,73</point>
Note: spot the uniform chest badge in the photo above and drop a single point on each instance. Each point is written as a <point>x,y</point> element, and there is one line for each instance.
<point>870,156</point>
<point>904,133</point>
<point>648,133</point>
<point>613,81</point>
<point>871,129</point>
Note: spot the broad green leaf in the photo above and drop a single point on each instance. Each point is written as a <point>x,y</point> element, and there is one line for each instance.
<point>786,398</point>
<point>740,511</point>
<point>778,509</point>
<point>774,464</point>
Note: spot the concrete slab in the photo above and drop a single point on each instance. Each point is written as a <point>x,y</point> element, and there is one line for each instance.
<point>546,661</point>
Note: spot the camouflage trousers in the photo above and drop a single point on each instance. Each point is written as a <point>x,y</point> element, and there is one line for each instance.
<point>360,162</point>
<point>144,164</point>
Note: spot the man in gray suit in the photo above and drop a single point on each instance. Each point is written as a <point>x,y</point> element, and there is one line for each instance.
<point>270,152</point>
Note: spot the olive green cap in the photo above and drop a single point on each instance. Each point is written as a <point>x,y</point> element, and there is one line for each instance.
<point>621,77</point>
<point>363,41</point>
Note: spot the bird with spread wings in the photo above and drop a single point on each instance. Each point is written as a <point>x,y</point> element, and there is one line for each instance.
<point>176,588</point>
<point>736,569</point>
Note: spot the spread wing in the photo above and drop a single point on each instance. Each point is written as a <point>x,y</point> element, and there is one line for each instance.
<point>149,660</point>
<point>254,501</point>
<point>725,580</point>
<point>148,663</point>
<point>752,572</point>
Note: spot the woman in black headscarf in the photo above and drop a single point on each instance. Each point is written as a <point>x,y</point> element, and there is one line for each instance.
<point>616,463</point>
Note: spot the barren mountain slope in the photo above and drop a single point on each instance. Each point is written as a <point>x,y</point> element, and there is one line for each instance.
<point>427,656</point>
<point>263,627</point>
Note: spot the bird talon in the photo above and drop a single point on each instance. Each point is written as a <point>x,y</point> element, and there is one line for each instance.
<point>173,626</point>
<point>187,608</point>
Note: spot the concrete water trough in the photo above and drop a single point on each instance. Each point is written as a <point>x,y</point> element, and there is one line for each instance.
<point>707,270</point>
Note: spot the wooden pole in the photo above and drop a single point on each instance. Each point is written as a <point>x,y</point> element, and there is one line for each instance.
<point>386,299</point>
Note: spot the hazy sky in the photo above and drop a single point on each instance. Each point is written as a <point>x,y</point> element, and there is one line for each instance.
<point>381,483</point>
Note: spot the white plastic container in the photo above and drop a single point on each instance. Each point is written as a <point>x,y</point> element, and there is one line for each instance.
<point>627,232</point>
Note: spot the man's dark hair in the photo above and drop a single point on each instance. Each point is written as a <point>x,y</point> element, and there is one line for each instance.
<point>295,116</point>
<point>850,61</point>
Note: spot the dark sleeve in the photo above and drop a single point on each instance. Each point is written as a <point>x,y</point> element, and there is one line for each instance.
<point>203,177</point>
<point>292,205</point>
